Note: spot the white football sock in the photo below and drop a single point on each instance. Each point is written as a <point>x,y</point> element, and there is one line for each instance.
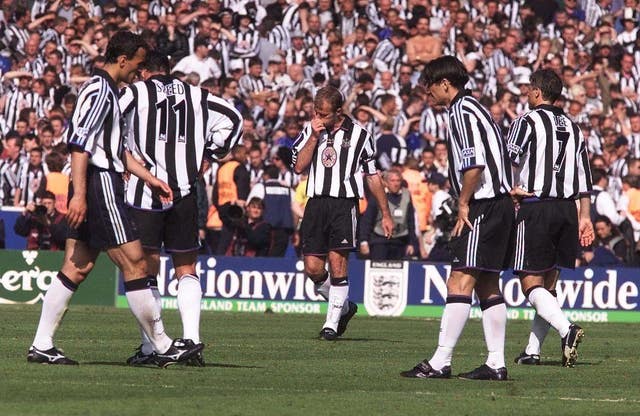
<point>547,307</point>
<point>54,305</point>
<point>145,308</point>
<point>323,288</point>
<point>147,347</point>
<point>189,298</point>
<point>338,295</point>
<point>494,324</point>
<point>539,330</point>
<point>454,318</point>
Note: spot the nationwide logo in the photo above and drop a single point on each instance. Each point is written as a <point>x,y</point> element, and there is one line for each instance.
<point>24,285</point>
<point>385,287</point>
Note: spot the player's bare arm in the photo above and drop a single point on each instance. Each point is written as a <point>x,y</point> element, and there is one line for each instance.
<point>77,210</point>
<point>306,153</point>
<point>377,190</point>
<point>470,180</point>
<point>159,187</point>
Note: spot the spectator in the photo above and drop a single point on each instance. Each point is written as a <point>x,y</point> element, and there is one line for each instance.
<point>199,61</point>
<point>231,187</point>
<point>32,179</point>
<point>610,248</point>
<point>44,227</point>
<point>403,242</point>
<point>10,167</point>
<point>245,234</point>
<point>279,209</point>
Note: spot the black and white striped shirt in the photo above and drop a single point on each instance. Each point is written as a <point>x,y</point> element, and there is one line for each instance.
<point>81,59</point>
<point>339,176</point>
<point>95,125</point>
<point>158,8</point>
<point>30,181</point>
<point>291,18</point>
<point>16,37</point>
<point>250,84</point>
<point>246,45</point>
<point>475,141</point>
<point>9,179</point>
<point>387,57</point>
<point>433,122</point>
<point>17,101</point>
<point>550,153</point>
<point>279,37</point>
<point>171,125</point>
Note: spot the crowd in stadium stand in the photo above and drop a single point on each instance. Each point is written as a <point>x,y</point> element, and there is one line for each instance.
<point>269,57</point>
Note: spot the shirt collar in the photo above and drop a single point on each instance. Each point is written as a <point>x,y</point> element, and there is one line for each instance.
<point>555,110</point>
<point>104,74</point>
<point>460,95</point>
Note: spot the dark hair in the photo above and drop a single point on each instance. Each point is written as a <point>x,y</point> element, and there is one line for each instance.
<point>124,43</point>
<point>602,218</point>
<point>549,83</point>
<point>271,172</point>
<point>331,95</point>
<point>445,67</point>
<point>256,201</point>
<point>55,161</point>
<point>46,195</point>
<point>597,174</point>
<point>156,62</point>
<point>254,61</point>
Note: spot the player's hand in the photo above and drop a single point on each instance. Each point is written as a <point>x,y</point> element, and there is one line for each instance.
<point>585,232</point>
<point>161,189</point>
<point>517,194</point>
<point>364,249</point>
<point>463,219</point>
<point>31,207</point>
<point>387,225</point>
<point>77,211</point>
<point>317,126</point>
<point>409,251</point>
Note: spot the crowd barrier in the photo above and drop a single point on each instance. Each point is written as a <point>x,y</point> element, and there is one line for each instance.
<point>12,241</point>
<point>241,284</point>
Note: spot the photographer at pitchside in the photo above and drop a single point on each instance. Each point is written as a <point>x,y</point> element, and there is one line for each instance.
<point>44,227</point>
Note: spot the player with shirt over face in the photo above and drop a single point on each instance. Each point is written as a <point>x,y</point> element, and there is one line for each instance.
<point>172,126</point>
<point>336,150</point>
<point>97,214</point>
<point>481,244</point>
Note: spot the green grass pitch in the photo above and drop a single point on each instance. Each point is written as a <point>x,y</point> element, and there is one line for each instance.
<point>270,364</point>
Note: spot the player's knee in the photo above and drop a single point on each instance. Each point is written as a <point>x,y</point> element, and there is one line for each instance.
<point>318,276</point>
<point>189,272</point>
<point>76,272</point>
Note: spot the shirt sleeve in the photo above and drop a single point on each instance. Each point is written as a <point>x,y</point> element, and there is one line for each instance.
<point>88,116</point>
<point>368,157</point>
<point>299,143</point>
<point>224,127</point>
<point>466,132</point>
<point>585,182</point>
<point>518,139</point>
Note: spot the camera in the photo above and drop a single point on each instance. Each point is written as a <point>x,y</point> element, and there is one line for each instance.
<point>40,211</point>
<point>235,212</point>
<point>447,218</point>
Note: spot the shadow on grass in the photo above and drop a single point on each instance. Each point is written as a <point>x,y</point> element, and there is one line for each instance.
<point>361,340</point>
<point>151,366</point>
<point>559,363</point>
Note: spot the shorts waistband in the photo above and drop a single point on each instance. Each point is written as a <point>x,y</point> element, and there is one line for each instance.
<point>531,199</point>
<point>495,198</point>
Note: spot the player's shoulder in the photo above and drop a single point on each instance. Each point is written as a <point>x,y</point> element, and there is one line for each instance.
<point>95,84</point>
<point>358,128</point>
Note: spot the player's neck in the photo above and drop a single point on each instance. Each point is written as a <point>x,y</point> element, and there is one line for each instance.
<point>113,71</point>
